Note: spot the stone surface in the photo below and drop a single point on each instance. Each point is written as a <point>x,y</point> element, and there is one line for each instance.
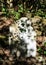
<point>26,33</point>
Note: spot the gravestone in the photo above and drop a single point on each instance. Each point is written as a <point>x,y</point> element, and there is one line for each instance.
<point>25,32</point>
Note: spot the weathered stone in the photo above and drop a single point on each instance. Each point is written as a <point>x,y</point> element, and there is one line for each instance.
<point>25,32</point>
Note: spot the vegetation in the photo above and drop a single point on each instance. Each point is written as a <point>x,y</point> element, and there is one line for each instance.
<point>12,10</point>
<point>18,7</point>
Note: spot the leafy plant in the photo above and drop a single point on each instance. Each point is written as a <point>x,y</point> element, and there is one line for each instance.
<point>40,13</point>
<point>17,14</point>
<point>44,52</point>
<point>39,50</point>
<point>3,9</point>
<point>44,43</point>
<point>20,10</point>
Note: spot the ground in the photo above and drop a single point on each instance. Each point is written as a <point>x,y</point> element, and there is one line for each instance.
<point>6,58</point>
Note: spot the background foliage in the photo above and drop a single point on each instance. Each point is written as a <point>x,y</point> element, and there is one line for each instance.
<point>17,8</point>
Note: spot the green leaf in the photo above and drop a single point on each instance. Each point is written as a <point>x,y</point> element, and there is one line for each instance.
<point>39,50</point>
<point>45,52</point>
<point>44,43</point>
<point>17,15</point>
<point>3,9</point>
